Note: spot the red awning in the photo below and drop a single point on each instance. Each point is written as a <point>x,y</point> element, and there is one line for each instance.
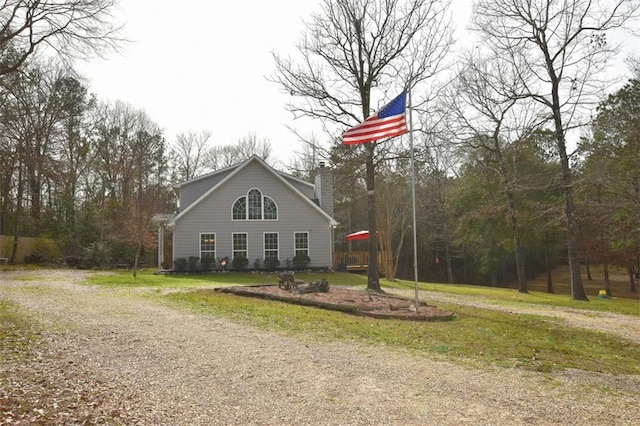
<point>360,235</point>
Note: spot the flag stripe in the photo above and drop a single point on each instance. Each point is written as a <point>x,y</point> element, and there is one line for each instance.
<point>390,121</point>
<point>373,129</point>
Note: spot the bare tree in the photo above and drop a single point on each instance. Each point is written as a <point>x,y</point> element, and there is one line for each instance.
<point>251,145</point>
<point>633,62</point>
<point>356,49</point>
<point>564,45</point>
<point>71,28</point>
<point>189,152</point>
<point>306,159</point>
<point>394,219</point>
<point>223,156</point>
<point>489,111</point>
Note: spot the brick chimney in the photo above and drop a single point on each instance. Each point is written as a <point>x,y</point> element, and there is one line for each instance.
<point>323,191</point>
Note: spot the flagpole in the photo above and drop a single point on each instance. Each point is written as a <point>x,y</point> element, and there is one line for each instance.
<point>413,201</point>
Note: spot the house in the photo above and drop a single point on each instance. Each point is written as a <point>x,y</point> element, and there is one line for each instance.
<point>254,211</point>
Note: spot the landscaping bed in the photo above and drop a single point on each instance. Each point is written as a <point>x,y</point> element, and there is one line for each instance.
<point>357,302</point>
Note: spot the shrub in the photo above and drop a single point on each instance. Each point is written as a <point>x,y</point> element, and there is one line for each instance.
<point>301,261</point>
<point>240,262</point>
<point>165,265</point>
<point>207,263</point>
<point>95,255</point>
<point>256,264</point>
<point>180,264</point>
<point>35,258</point>
<point>193,263</point>
<point>47,248</point>
<point>73,261</point>
<point>271,263</point>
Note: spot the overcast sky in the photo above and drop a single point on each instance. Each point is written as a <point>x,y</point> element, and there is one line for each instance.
<point>194,65</point>
<point>202,65</point>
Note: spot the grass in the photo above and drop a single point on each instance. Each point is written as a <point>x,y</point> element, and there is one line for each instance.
<point>18,332</point>
<point>511,297</point>
<point>477,336</point>
<point>491,295</point>
<point>147,278</point>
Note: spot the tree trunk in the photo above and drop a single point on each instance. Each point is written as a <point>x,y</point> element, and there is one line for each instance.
<point>373,277</point>
<point>547,264</point>
<point>607,281</point>
<point>448,260</point>
<point>16,229</point>
<point>588,267</point>
<point>577,289</point>
<point>632,281</point>
<point>515,229</point>
<point>135,261</point>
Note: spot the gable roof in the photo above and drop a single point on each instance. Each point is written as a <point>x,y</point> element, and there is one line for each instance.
<point>234,170</point>
<point>235,166</point>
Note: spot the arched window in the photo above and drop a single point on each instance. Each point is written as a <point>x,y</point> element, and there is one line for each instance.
<point>254,206</point>
<point>270,209</point>
<point>240,209</point>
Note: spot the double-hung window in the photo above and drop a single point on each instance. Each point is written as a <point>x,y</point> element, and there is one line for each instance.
<point>271,245</point>
<point>301,241</point>
<point>240,245</point>
<point>207,245</point>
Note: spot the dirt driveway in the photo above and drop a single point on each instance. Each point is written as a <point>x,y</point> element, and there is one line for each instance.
<point>115,357</point>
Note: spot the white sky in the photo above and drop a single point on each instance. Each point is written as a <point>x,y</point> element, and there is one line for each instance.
<point>195,65</point>
<point>202,65</point>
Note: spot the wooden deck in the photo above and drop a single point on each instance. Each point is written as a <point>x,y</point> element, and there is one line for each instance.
<point>354,261</point>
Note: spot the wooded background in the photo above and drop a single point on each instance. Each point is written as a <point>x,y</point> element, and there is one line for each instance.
<point>507,175</point>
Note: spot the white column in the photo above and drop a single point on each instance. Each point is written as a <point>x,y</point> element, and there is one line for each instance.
<point>160,246</point>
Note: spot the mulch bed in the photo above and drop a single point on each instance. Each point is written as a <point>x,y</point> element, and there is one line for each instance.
<point>357,302</point>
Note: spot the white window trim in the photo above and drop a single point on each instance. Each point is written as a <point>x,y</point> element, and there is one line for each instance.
<point>246,205</point>
<point>247,241</point>
<point>295,248</point>
<point>215,245</point>
<point>264,248</point>
<point>277,209</point>
<point>246,209</point>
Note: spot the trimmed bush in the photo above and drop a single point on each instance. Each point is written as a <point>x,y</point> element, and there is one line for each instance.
<point>271,263</point>
<point>207,263</point>
<point>180,264</point>
<point>240,262</point>
<point>193,262</point>
<point>301,261</point>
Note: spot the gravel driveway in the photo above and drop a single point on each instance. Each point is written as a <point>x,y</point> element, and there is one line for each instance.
<point>114,357</point>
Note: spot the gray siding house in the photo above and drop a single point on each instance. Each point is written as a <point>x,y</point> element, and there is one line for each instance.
<point>255,211</point>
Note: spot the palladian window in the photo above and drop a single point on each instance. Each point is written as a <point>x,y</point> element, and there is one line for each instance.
<point>254,206</point>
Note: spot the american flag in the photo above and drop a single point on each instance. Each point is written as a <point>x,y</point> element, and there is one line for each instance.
<point>390,121</point>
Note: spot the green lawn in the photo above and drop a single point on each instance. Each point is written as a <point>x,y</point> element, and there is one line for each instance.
<point>491,295</point>
<point>476,336</point>
<point>148,278</point>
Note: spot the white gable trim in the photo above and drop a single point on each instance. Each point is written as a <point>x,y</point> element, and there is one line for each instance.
<point>195,179</point>
<point>226,169</point>
<point>277,175</point>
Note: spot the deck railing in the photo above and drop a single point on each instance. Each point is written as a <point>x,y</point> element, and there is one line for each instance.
<point>352,260</point>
